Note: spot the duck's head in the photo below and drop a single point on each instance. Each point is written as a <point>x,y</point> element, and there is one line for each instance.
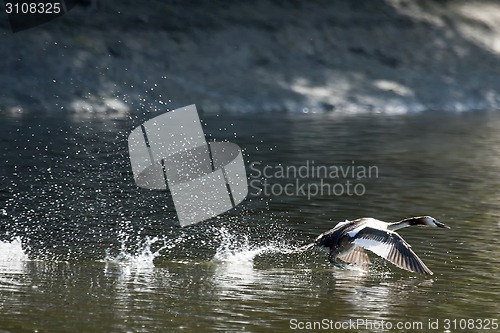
<point>426,221</point>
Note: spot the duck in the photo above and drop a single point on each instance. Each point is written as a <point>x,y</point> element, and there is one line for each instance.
<point>348,241</point>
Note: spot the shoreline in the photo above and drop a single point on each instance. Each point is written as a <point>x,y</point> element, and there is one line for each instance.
<point>391,57</point>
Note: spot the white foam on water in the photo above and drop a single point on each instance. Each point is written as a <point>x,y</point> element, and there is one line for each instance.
<point>12,256</point>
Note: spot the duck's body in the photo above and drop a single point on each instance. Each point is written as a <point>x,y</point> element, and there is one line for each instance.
<point>347,241</point>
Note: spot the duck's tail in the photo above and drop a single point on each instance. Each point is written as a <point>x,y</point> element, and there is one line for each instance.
<point>300,249</point>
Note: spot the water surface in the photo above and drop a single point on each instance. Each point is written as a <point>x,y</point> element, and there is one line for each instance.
<point>83,249</point>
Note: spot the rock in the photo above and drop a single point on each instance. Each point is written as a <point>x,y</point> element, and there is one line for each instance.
<point>321,56</point>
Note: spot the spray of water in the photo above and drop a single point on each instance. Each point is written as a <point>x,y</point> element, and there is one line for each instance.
<point>238,250</point>
<point>12,256</point>
<point>133,263</point>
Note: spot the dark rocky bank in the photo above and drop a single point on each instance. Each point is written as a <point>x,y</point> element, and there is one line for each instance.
<point>120,57</point>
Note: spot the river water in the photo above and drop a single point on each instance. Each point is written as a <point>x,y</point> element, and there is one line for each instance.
<point>83,249</point>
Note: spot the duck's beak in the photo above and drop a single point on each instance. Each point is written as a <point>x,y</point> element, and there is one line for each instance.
<point>441,225</point>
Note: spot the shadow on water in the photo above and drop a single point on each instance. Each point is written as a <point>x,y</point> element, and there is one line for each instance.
<point>76,231</point>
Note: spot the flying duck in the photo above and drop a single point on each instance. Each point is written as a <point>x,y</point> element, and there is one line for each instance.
<point>348,240</point>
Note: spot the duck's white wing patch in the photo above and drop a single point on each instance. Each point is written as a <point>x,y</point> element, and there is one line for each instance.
<point>341,223</point>
<point>389,245</point>
<point>366,222</point>
<point>377,247</point>
<point>354,232</point>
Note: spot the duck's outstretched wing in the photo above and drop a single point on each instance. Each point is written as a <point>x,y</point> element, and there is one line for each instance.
<point>357,256</point>
<point>389,245</point>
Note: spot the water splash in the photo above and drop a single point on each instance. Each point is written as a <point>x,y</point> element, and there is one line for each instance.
<point>133,262</point>
<point>237,250</point>
<point>12,256</point>
<point>236,271</point>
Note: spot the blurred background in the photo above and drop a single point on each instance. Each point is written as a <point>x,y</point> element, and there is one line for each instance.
<point>392,56</point>
<point>410,87</point>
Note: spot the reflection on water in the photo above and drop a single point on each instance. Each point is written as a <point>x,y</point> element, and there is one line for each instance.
<point>82,249</point>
